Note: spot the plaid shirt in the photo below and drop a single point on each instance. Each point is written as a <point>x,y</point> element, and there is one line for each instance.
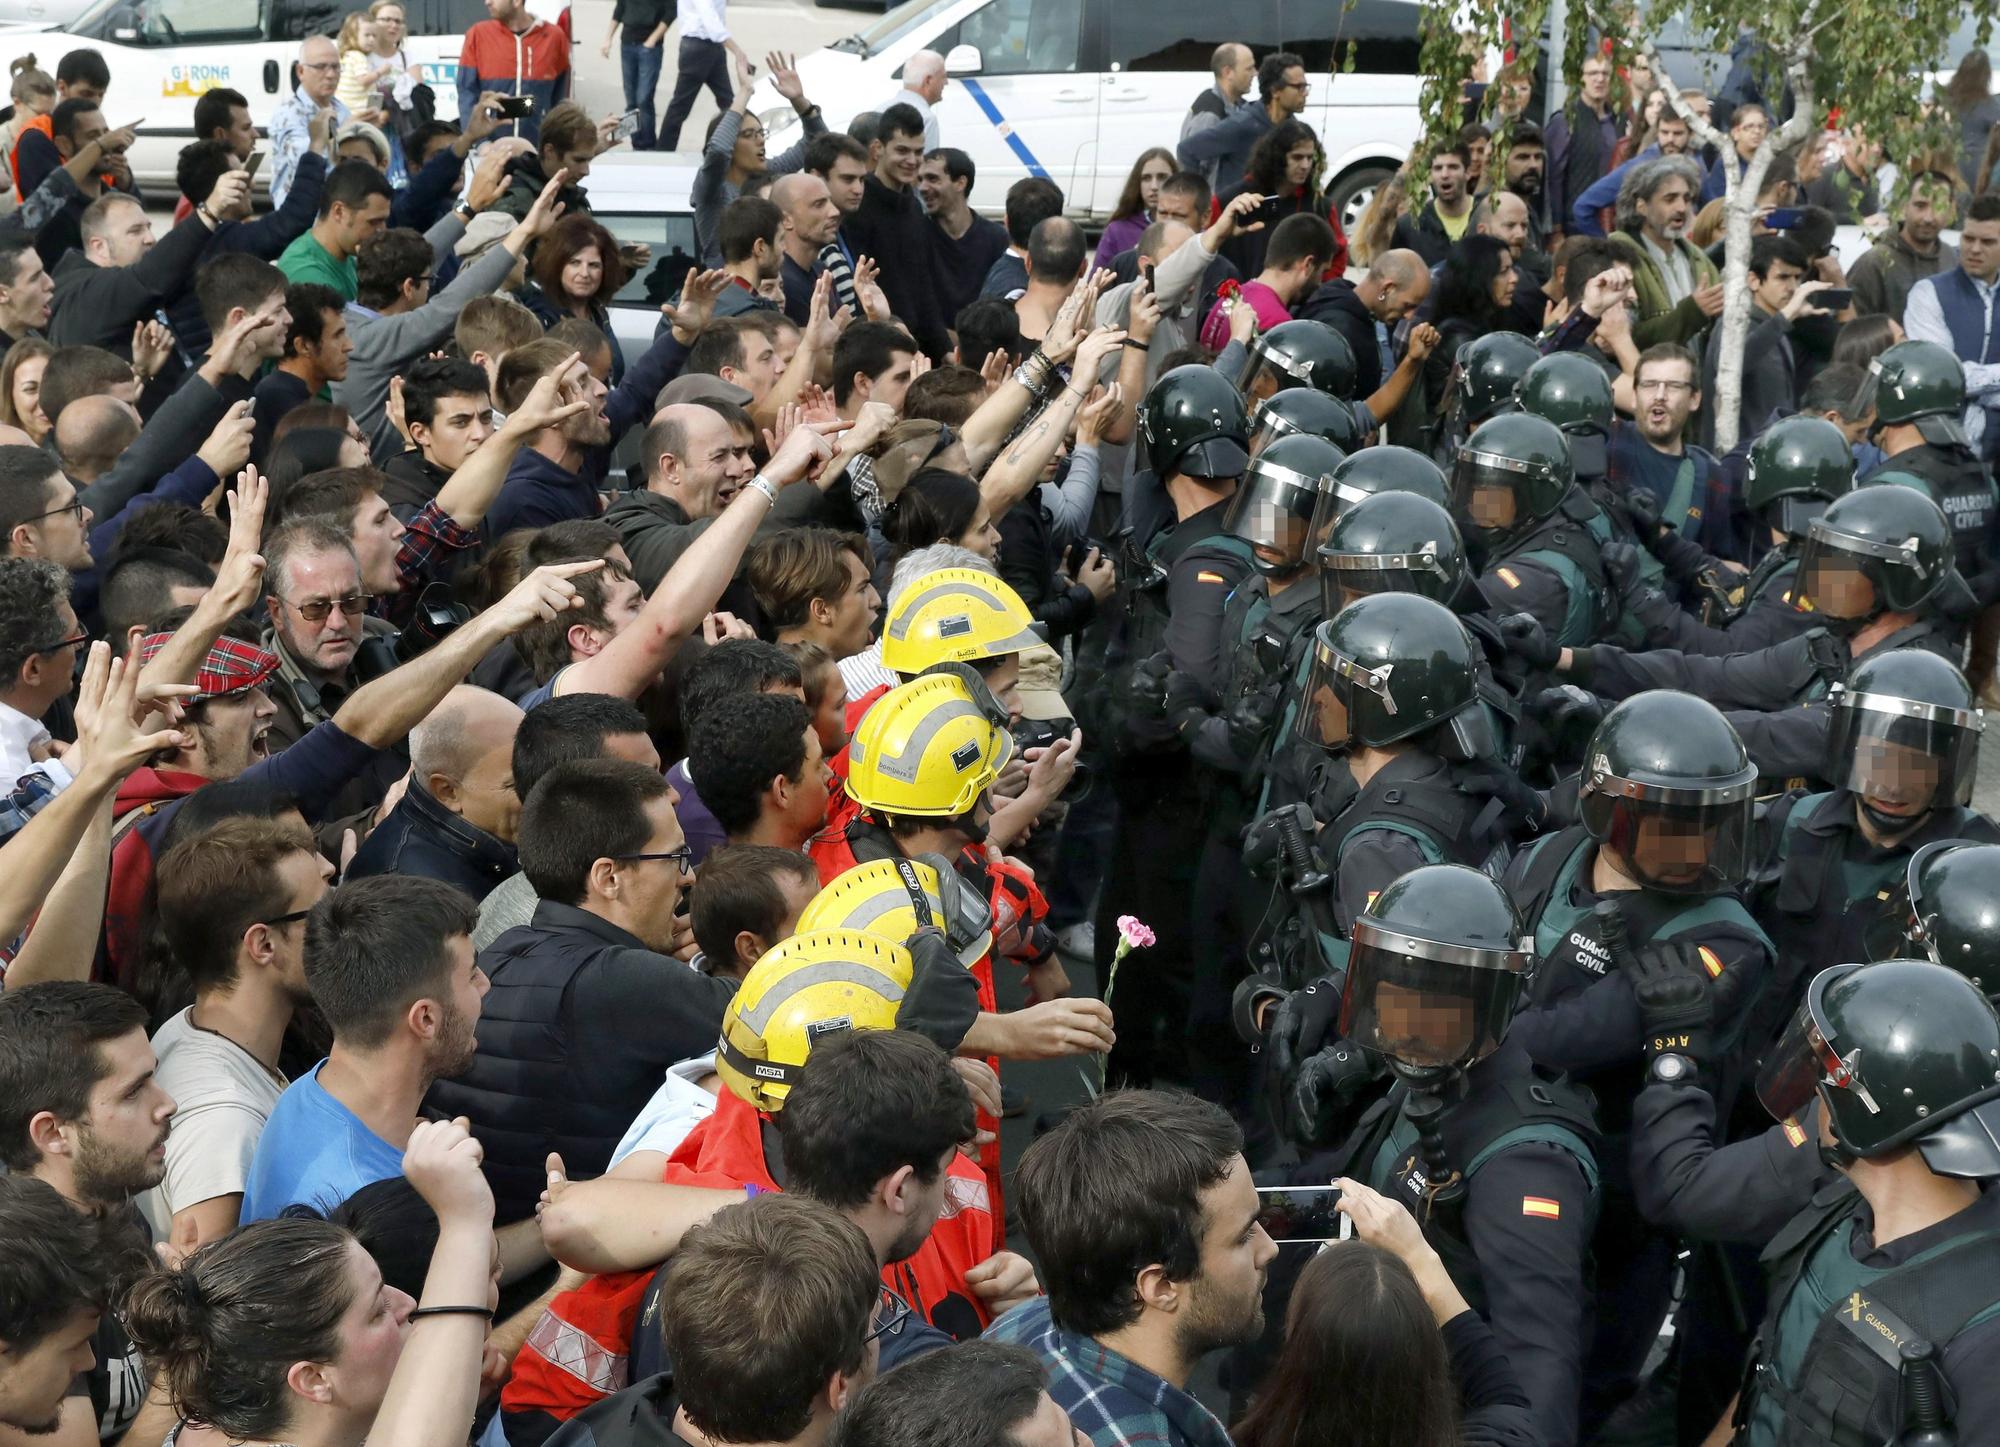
<point>1114,1401</point>
<point>24,801</point>
<point>430,534</point>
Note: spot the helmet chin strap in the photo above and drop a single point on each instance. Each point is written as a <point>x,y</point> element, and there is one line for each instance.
<point>1894,825</point>
<point>1442,1182</point>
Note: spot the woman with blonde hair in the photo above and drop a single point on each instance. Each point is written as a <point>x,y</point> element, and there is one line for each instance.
<point>21,387</point>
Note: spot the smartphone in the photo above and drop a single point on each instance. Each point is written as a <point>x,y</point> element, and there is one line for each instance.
<point>1301,1213</point>
<point>1146,271</point>
<point>1834,298</point>
<point>627,127</point>
<point>1785,218</point>
<point>250,166</point>
<point>514,107</point>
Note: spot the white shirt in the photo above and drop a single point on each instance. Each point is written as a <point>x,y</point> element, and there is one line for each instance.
<point>908,97</point>
<point>702,20</point>
<point>677,1107</point>
<point>863,672</point>
<point>1923,321</point>
<point>222,1096</point>
<point>1675,270</point>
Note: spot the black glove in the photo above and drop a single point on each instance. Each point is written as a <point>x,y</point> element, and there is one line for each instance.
<point>1321,1099</point>
<point>1621,565</point>
<point>1671,983</point>
<point>1830,655</point>
<point>1187,701</point>
<point>1251,719</point>
<point>1524,636</point>
<point>1146,688</point>
<point>1297,1026</point>
<point>1567,707</point>
<point>1644,511</point>
<point>942,1000</point>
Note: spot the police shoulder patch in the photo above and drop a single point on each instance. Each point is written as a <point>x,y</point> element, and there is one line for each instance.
<point>1795,1134</point>
<point>1508,576</point>
<point>1542,1206</point>
<point>1204,576</point>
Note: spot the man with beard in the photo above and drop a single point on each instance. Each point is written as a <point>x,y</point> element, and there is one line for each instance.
<point>1883,277</point>
<point>55,1299</point>
<point>233,902</point>
<point>1432,231</point>
<point>1522,172</point>
<point>82,1110</point>
<point>389,963</point>
<point>1581,138</point>
<point>1678,290</point>
<point>1143,1215</point>
<point>317,619</point>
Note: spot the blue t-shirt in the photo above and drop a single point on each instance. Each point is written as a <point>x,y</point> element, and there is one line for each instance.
<point>314,1151</point>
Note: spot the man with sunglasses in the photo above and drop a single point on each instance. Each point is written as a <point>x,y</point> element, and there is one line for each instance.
<point>587,1007</point>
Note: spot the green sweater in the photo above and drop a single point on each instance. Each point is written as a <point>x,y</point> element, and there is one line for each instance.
<point>306,260</point>
<point>1658,319</point>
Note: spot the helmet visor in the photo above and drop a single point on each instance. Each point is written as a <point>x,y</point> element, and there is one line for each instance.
<point>1805,1060</point>
<point>1849,577</point>
<point>1326,718</point>
<point>1904,757</point>
<point>1424,1003</point>
<point>1265,373</point>
<point>1677,847</point>
<point>1483,491</point>
<point>1273,512</point>
<point>1422,572</point>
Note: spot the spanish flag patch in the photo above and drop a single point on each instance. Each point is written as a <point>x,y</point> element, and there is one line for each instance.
<point>1206,577</point>
<point>1708,961</point>
<point>1795,1135</point>
<point>1509,577</point>
<point>1541,1206</point>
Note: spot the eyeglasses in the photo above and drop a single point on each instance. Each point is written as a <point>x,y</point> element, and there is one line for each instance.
<point>1666,388</point>
<point>293,917</point>
<point>891,1313</point>
<point>351,606</point>
<point>684,854</point>
<point>74,505</point>
<point>79,640</point>
<point>319,65</point>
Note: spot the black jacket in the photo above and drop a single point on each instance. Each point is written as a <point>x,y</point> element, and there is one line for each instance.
<point>575,1035</point>
<point>1336,304</point>
<point>423,838</point>
<point>99,305</point>
<point>891,227</point>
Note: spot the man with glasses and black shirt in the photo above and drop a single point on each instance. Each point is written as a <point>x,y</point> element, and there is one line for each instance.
<point>232,905</point>
<point>587,1007</point>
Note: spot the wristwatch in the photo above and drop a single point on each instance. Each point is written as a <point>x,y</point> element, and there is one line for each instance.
<point>1669,1069</point>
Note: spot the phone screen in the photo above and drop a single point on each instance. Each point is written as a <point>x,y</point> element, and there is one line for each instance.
<point>250,166</point>
<point>1834,299</point>
<point>1300,1213</point>
<point>627,127</point>
<point>513,107</point>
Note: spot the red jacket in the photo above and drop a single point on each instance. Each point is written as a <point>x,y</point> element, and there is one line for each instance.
<point>577,1353</point>
<point>140,822</point>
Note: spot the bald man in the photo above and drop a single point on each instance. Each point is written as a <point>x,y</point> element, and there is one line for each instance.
<point>811,221</point>
<point>91,433</point>
<point>1235,69</point>
<point>924,81</point>
<point>1366,313</point>
<point>1504,216</point>
<point>456,821</point>
<point>694,466</point>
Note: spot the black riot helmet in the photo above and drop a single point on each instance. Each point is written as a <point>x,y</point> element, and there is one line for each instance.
<point>1669,789</point>
<point>1947,910</point>
<point>1274,505</point>
<point>1905,736</point>
<point>1490,369</point>
<point>1876,549</point>
<point>1301,409</point>
<point>1385,668</point>
<point>1510,474</point>
<point>1298,354</point>
<point>1435,969</point>
<point>1379,469</point>
<point>1393,542</point>
<point>1796,467</point>
<point>1572,391</point>
<point>1920,383</point>
<point>1903,1052</point>
<point>1192,422</point>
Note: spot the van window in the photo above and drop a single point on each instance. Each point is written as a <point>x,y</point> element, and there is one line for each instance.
<point>1182,34</point>
<point>1382,35</point>
<point>672,240</point>
<point>1020,37</point>
<point>168,22</point>
<point>297,19</point>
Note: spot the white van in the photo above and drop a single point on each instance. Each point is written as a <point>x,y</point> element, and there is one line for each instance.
<point>1075,90</point>
<point>164,53</point>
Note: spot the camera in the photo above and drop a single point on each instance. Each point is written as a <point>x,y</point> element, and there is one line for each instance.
<point>1038,733</point>
<point>437,615</point>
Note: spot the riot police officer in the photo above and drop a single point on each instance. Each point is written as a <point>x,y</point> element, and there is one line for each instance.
<point>1298,354</point>
<point>1301,409</point>
<point>1796,466</point>
<point>1944,912</point>
<point>1884,1264</point>
<point>1918,391</point>
<point>1875,574</point>
<point>1572,391</point>
<point>1177,582</point>
<point>1265,625</point>
<point>1646,881</point>
<point>1497,1159</point>
<point>1483,383</point>
<point>1904,747</point>
<point>1535,535</point>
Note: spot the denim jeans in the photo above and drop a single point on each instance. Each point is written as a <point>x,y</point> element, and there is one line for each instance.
<point>641,64</point>
<point>702,62</point>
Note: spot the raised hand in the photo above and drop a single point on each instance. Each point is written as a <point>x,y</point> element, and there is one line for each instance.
<point>547,210</point>
<point>110,743</point>
<point>785,76</point>
<point>241,576</point>
<point>551,402</point>
<point>228,446</point>
<point>442,1162</point>
<point>1097,415</point>
<point>543,594</point>
<point>697,303</point>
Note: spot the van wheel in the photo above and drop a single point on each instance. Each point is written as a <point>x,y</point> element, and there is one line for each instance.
<point>1353,191</point>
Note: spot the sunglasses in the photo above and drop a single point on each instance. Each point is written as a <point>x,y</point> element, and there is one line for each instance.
<point>891,1315</point>
<point>351,606</point>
